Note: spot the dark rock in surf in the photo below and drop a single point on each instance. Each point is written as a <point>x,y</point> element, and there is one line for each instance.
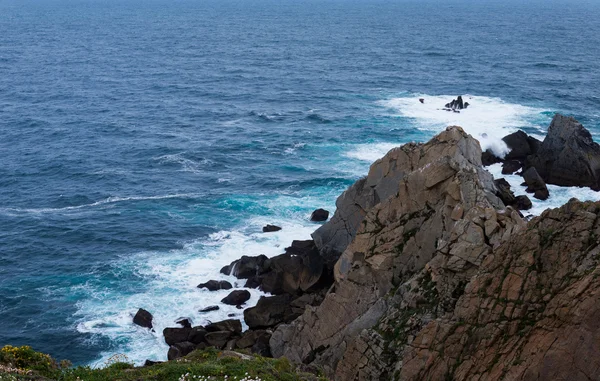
<point>176,335</point>
<point>535,184</point>
<point>143,318</point>
<point>510,166</point>
<point>489,158</point>
<point>236,298</point>
<point>215,285</point>
<point>247,267</point>
<point>319,215</point>
<point>269,311</point>
<point>522,203</point>
<point>271,228</point>
<point>521,145</point>
<point>209,309</point>
<point>184,322</point>
<point>568,156</point>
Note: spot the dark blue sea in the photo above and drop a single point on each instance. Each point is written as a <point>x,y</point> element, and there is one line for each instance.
<point>144,144</point>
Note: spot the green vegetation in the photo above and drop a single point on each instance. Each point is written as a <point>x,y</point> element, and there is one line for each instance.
<point>23,363</point>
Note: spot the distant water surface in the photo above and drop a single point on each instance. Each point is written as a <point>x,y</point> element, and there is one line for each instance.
<point>143,144</point>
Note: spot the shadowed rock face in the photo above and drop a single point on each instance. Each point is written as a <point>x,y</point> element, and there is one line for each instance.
<point>568,156</point>
<point>434,216</point>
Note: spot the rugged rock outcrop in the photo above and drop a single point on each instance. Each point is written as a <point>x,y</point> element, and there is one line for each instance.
<point>434,211</point>
<point>300,269</point>
<point>568,156</point>
<point>531,313</point>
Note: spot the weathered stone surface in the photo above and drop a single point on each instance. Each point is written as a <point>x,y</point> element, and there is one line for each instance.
<point>214,285</point>
<point>568,156</point>
<point>442,214</point>
<point>535,184</point>
<point>143,318</point>
<point>237,297</point>
<point>531,313</point>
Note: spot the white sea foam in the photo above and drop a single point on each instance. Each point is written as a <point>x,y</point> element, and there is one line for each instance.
<point>487,119</point>
<point>187,165</point>
<point>370,152</point>
<point>168,280</point>
<point>558,195</point>
<point>108,200</point>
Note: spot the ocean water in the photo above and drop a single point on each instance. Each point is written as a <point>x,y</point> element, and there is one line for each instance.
<point>144,144</point>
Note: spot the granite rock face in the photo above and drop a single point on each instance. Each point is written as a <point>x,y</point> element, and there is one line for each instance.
<point>422,223</point>
<point>568,156</point>
<point>531,313</point>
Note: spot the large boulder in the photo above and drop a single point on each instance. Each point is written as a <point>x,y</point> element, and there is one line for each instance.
<point>520,146</point>
<point>176,335</point>
<point>292,274</point>
<point>179,350</point>
<point>246,267</point>
<point>214,285</point>
<point>236,298</point>
<point>535,184</point>
<point>218,339</point>
<point>231,325</point>
<point>197,335</point>
<point>249,338</point>
<point>143,318</point>
<point>270,311</point>
<point>568,156</point>
<point>319,215</point>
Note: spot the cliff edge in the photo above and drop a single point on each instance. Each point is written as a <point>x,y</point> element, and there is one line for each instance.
<point>435,278</point>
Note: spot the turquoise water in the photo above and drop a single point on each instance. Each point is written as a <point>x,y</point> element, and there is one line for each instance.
<point>145,143</point>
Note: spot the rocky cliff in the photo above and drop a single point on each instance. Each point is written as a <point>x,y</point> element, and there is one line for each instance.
<point>435,278</point>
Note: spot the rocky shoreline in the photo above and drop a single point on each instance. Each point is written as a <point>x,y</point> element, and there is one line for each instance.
<point>429,270</point>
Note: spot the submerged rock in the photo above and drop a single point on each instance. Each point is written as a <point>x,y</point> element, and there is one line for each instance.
<point>209,309</point>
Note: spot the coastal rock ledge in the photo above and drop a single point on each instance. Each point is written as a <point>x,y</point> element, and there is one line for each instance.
<point>437,279</point>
